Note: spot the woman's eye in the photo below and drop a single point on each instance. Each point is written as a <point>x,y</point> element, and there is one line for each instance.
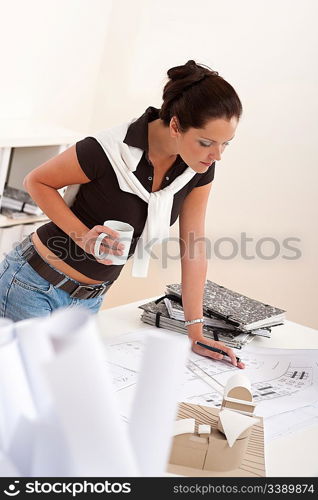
<point>205,145</point>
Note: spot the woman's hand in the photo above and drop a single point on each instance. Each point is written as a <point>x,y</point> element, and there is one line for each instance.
<point>215,355</point>
<point>110,244</point>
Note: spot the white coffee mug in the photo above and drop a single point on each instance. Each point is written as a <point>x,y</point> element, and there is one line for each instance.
<point>125,231</point>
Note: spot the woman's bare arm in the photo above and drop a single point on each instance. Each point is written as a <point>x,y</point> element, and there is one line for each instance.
<point>193,255</point>
<point>194,268</point>
<point>43,183</point>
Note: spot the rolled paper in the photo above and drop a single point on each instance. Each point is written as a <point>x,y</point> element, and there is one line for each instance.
<point>16,398</point>
<point>36,349</point>
<point>155,404</point>
<point>84,398</point>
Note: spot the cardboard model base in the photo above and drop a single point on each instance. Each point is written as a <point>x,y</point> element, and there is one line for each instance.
<point>209,454</point>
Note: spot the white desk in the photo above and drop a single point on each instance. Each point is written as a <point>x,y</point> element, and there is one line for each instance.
<point>294,455</point>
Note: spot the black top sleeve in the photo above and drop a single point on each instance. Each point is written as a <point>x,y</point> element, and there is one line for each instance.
<point>91,157</point>
<point>207,177</point>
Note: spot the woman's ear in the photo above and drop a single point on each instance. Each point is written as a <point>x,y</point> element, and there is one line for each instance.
<point>174,127</point>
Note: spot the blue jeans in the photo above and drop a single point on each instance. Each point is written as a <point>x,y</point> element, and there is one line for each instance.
<point>25,294</point>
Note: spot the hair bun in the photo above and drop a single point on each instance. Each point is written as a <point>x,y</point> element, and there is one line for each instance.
<point>194,94</point>
<point>184,71</point>
<point>190,72</point>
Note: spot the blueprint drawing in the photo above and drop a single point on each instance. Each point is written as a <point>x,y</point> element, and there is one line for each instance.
<point>282,380</point>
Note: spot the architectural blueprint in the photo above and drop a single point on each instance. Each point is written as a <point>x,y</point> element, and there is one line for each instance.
<point>284,381</point>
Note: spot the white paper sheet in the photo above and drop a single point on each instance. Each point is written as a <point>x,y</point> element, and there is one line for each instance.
<point>155,403</point>
<point>291,421</point>
<point>126,351</point>
<point>16,398</point>
<point>85,401</point>
<point>36,348</point>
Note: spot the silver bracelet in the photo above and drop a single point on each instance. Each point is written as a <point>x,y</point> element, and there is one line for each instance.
<point>193,321</point>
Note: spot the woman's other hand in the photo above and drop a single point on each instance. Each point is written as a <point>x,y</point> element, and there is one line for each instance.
<point>215,355</point>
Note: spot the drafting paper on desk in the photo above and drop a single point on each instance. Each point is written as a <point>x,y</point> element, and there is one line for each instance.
<point>291,421</point>
<point>85,401</point>
<point>155,403</point>
<point>124,356</point>
<point>253,463</point>
<point>126,350</point>
<point>283,379</point>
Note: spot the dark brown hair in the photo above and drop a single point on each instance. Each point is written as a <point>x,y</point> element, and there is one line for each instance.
<point>195,94</point>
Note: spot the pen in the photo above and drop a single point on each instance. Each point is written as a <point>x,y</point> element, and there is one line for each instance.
<point>215,349</point>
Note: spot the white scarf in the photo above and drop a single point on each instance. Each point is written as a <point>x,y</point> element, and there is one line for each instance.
<point>124,160</point>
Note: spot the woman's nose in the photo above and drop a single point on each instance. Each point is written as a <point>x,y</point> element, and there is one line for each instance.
<point>216,153</point>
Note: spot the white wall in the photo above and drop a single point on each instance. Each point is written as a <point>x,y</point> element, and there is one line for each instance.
<point>51,52</point>
<point>90,64</point>
<point>266,184</point>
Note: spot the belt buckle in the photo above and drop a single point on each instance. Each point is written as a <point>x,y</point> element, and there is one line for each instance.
<point>101,290</point>
<point>27,252</point>
<point>79,287</point>
<point>95,292</point>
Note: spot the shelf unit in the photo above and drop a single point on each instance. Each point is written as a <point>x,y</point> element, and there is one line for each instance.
<point>24,146</point>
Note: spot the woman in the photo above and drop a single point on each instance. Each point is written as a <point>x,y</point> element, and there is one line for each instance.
<point>177,147</point>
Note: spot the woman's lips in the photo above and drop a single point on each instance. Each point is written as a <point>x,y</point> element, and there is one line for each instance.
<point>206,164</point>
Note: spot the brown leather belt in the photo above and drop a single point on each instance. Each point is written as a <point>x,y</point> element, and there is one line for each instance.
<point>58,279</point>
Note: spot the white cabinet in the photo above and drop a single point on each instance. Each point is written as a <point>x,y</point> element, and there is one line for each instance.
<point>24,146</point>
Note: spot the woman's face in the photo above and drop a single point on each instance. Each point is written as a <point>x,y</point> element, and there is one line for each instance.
<point>200,147</point>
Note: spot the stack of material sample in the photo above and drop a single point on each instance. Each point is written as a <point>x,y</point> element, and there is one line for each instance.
<point>229,316</point>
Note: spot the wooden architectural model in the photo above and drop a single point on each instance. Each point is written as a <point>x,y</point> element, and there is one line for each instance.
<point>220,447</point>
